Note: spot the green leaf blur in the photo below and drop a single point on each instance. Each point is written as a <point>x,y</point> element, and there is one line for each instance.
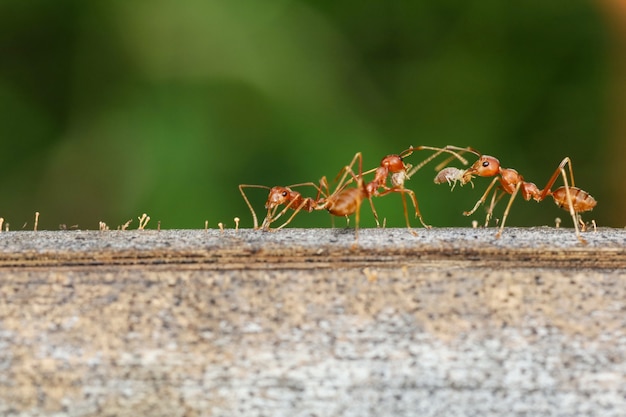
<point>109,109</point>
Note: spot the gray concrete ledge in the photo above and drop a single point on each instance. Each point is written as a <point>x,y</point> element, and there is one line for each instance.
<point>308,248</point>
<point>299,323</point>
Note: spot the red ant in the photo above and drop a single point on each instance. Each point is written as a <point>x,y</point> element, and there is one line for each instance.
<point>568,197</point>
<point>282,195</point>
<point>294,200</point>
<point>346,201</point>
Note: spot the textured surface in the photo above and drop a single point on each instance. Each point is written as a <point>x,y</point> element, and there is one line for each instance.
<point>299,323</point>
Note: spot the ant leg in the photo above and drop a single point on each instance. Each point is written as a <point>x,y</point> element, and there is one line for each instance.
<point>492,205</point>
<point>352,179</point>
<point>356,224</point>
<point>482,199</point>
<point>415,205</point>
<point>547,189</point>
<point>347,170</point>
<point>321,202</point>
<point>406,213</point>
<point>243,194</point>
<point>417,210</point>
<point>296,211</point>
<point>269,219</point>
<point>324,185</point>
<point>374,211</point>
<point>570,205</point>
<point>411,194</point>
<point>508,207</point>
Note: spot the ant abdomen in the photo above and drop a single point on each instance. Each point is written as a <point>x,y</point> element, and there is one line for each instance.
<point>581,199</point>
<point>346,201</point>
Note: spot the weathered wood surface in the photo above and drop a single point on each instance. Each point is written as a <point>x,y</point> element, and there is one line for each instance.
<point>299,323</point>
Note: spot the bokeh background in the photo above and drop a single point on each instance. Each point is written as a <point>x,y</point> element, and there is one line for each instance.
<point>109,109</point>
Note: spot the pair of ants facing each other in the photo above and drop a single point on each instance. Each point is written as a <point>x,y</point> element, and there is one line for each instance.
<point>345,200</point>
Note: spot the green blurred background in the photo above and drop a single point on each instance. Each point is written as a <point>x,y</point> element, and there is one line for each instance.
<point>109,109</point>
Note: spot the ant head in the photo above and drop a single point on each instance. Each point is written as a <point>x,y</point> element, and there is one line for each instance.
<point>278,196</point>
<point>486,166</point>
<point>393,163</point>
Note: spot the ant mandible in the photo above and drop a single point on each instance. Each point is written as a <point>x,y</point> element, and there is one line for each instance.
<point>568,197</point>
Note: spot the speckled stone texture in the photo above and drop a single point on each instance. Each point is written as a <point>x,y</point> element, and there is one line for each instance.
<point>301,323</point>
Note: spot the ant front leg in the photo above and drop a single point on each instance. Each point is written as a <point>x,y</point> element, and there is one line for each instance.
<point>417,210</point>
<point>271,218</point>
<point>411,194</point>
<point>497,196</point>
<point>491,207</point>
<point>374,211</point>
<point>296,211</point>
<point>508,207</point>
<point>482,199</point>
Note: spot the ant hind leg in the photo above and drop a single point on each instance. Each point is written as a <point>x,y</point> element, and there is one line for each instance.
<point>575,217</point>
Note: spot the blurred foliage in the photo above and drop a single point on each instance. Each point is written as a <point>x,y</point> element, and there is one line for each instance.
<point>109,109</point>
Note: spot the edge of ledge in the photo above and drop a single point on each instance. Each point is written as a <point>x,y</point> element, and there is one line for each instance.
<point>309,248</point>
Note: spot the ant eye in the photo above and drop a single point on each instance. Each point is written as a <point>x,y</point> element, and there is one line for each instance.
<point>284,193</point>
<point>486,164</point>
